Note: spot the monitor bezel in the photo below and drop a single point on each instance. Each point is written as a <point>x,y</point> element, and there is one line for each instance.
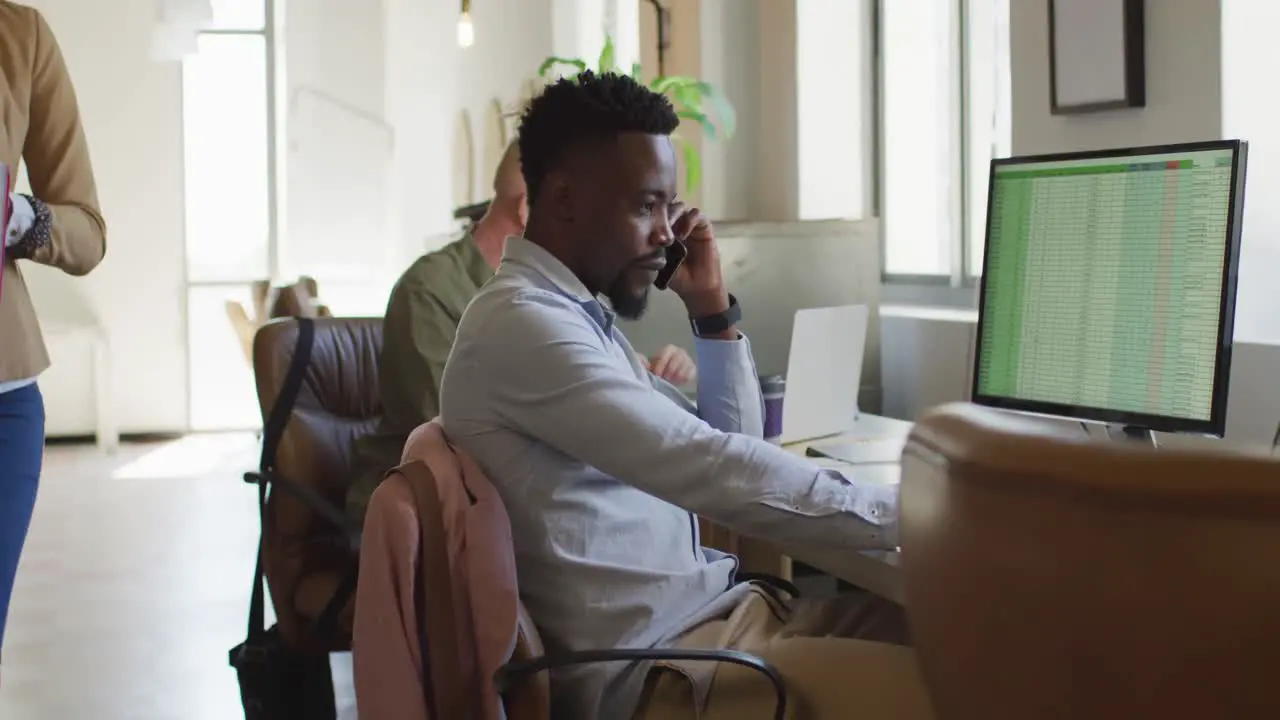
<point>1216,424</point>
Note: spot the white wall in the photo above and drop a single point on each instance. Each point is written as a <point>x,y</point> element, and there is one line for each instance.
<point>337,48</point>
<point>389,74</point>
<point>339,144</point>
<point>1184,85</point>
<point>421,58</point>
<point>132,111</point>
<point>512,40</point>
<point>1250,111</point>
<point>576,28</point>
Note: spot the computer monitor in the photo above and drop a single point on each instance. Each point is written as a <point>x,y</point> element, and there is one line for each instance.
<point>1109,284</point>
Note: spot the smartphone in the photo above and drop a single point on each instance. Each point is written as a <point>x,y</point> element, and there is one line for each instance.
<point>676,253</point>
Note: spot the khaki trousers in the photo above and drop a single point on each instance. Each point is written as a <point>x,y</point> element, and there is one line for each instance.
<point>843,657</point>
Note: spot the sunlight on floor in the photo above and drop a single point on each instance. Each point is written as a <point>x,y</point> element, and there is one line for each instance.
<point>193,456</point>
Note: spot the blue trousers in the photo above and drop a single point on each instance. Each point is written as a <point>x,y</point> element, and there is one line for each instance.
<point>21,454</point>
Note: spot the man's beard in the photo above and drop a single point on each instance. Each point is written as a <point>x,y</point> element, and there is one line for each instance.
<point>627,304</point>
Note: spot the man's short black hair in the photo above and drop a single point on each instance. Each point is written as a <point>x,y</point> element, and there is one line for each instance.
<point>586,108</point>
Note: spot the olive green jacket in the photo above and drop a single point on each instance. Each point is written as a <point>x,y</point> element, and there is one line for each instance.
<point>417,334</point>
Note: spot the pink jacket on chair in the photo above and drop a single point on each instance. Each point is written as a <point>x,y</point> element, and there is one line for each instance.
<point>435,521</point>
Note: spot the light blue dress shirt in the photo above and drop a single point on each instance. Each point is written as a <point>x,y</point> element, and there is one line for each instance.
<point>602,465</point>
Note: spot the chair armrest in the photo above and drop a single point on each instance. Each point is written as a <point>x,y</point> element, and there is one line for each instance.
<point>313,500</point>
<point>514,673</point>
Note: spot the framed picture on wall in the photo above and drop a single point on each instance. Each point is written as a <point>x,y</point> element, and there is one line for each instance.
<point>1097,55</point>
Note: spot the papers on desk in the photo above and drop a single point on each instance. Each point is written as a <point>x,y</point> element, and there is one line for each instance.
<point>866,450</point>
<point>885,474</point>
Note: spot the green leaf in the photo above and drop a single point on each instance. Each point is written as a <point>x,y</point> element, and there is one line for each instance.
<point>635,71</point>
<point>702,97</point>
<point>699,118</point>
<point>692,163</point>
<point>608,63</point>
<point>553,62</point>
<point>688,97</point>
<point>728,119</point>
<point>666,83</point>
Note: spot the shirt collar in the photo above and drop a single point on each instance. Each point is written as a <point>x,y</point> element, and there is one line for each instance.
<point>524,255</point>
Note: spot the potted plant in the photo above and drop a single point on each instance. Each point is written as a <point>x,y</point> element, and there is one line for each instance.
<point>694,100</point>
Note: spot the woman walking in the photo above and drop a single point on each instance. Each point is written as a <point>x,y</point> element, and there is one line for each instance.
<point>60,225</point>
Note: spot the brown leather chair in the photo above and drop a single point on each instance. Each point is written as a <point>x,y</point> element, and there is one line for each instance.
<point>309,545</point>
<point>1048,576</point>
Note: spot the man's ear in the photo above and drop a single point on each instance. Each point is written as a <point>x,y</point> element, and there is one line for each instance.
<point>560,196</point>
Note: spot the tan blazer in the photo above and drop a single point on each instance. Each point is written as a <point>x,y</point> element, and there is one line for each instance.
<point>40,124</point>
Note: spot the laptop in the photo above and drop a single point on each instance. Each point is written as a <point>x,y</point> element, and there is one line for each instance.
<point>824,375</point>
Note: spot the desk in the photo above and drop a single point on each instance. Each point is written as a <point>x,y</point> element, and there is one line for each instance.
<point>876,571</point>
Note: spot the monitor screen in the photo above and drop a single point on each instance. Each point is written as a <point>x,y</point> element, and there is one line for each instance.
<point>1108,285</point>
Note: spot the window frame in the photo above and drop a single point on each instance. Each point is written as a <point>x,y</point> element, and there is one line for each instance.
<point>270,34</point>
<point>270,39</point>
<point>958,287</point>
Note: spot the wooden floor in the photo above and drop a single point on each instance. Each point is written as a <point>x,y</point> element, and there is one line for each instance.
<point>134,584</point>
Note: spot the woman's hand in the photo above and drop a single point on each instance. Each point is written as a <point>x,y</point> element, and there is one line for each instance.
<point>21,218</point>
<point>672,364</point>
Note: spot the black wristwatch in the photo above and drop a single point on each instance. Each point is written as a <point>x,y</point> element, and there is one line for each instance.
<point>718,323</point>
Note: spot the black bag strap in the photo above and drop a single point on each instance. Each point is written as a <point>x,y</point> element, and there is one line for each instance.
<point>328,618</point>
<point>257,603</point>
<point>271,434</point>
<point>278,419</point>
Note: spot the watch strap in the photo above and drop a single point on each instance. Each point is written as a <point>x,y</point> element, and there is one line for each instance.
<point>719,322</point>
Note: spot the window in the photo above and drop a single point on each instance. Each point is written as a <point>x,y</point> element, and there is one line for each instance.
<point>920,103</point>
<point>988,117</point>
<point>225,148</point>
<point>944,113</point>
<point>239,15</point>
<point>230,201</point>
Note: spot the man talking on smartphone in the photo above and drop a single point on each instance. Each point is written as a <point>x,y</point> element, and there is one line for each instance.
<point>602,466</point>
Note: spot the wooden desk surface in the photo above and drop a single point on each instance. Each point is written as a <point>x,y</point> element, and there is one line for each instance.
<point>876,571</point>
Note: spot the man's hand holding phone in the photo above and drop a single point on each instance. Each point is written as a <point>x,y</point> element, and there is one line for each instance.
<point>697,281</point>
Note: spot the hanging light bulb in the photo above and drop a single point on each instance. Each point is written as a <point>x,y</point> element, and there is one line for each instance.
<point>466,31</point>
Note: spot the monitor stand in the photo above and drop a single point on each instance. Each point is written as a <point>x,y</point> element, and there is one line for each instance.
<point>1135,434</point>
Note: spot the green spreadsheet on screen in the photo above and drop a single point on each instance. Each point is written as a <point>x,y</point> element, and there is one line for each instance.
<point>1103,282</point>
